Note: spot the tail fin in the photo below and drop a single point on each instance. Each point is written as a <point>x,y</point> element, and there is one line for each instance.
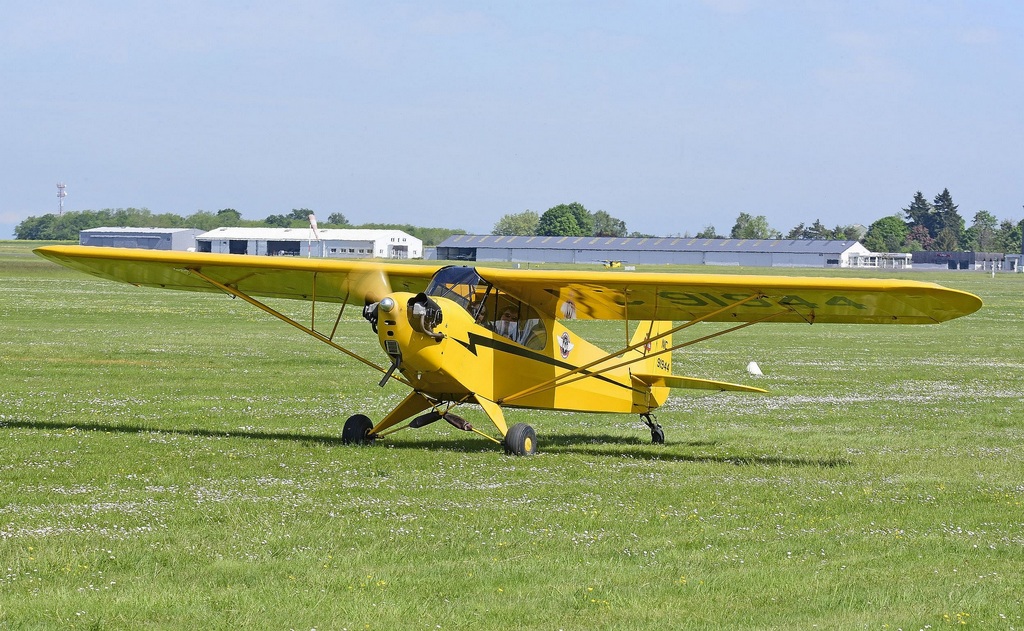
<point>655,362</point>
<point>655,365</point>
<point>655,369</point>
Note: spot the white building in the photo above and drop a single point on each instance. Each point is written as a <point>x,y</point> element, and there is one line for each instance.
<point>332,243</point>
<point>883,260</point>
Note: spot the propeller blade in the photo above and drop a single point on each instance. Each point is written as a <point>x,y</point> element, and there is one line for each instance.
<point>371,285</point>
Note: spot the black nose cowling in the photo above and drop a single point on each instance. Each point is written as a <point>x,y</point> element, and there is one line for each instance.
<point>425,315</point>
<point>370,313</point>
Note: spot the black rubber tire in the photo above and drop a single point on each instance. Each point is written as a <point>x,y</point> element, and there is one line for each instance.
<point>356,430</point>
<point>521,440</point>
<point>658,436</point>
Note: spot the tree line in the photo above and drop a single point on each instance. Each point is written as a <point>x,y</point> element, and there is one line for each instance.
<point>563,220</point>
<point>922,225</point>
<point>66,226</point>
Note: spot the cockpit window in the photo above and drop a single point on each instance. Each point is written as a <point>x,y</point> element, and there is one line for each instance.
<point>513,319</point>
<point>490,308</point>
<point>460,284</point>
<point>519,323</point>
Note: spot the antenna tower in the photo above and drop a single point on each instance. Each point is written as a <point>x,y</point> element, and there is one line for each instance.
<point>61,194</point>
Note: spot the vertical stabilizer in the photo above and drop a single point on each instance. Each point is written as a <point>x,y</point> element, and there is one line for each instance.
<point>655,363</point>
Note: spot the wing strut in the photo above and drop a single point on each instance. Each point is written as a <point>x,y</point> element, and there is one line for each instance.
<point>673,348</point>
<point>280,316</point>
<point>560,379</point>
<point>337,320</point>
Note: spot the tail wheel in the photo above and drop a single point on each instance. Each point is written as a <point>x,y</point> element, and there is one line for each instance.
<point>357,430</point>
<point>657,433</point>
<point>658,436</point>
<point>521,440</point>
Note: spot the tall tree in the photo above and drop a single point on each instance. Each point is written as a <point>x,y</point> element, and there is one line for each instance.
<point>921,213</point>
<point>278,221</point>
<point>584,220</point>
<point>888,234</point>
<point>559,221</point>
<point>607,226</point>
<point>203,220</point>
<point>524,224</point>
<point>1009,237</point>
<point>337,219</point>
<point>947,218</point>
<point>228,216</point>
<point>919,239</point>
<point>301,214</point>
<point>709,232</point>
<point>946,241</point>
<point>748,227</point>
<point>168,220</point>
<point>30,228</point>
<point>852,232</point>
<point>981,236</point>
<point>818,230</point>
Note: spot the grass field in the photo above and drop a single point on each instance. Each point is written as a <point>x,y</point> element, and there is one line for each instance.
<point>172,460</point>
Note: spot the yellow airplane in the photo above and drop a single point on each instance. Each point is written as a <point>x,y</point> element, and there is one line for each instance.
<point>495,338</point>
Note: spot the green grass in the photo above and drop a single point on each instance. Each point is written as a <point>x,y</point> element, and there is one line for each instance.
<point>172,460</point>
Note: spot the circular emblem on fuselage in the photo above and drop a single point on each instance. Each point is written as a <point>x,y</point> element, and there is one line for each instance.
<point>564,344</point>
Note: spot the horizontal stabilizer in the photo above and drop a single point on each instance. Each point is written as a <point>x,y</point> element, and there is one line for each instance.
<point>693,383</point>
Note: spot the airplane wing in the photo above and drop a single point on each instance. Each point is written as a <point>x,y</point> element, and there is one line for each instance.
<point>329,280</point>
<point>559,294</point>
<point>731,298</point>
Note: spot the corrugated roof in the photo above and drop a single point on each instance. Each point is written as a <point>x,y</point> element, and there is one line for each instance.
<point>122,229</point>
<point>665,244</point>
<point>301,234</point>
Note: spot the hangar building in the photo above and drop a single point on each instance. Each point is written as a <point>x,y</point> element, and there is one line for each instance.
<point>656,250</point>
<point>146,238</point>
<point>332,243</point>
<point>965,260</point>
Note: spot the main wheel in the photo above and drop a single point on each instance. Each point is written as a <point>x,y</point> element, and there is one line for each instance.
<point>356,430</point>
<point>521,440</point>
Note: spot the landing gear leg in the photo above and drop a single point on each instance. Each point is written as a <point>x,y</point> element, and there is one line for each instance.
<point>657,434</point>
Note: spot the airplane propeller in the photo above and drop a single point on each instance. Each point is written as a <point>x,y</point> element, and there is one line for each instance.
<point>371,285</point>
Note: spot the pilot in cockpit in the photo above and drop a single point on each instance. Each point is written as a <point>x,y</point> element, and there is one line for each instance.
<point>479,312</point>
<point>508,325</point>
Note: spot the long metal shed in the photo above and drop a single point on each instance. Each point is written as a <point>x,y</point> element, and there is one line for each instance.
<point>652,250</point>
<point>145,238</point>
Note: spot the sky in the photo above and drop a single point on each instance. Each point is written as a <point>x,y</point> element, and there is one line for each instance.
<point>671,116</point>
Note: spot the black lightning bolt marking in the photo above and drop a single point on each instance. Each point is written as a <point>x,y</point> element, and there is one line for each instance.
<point>520,351</point>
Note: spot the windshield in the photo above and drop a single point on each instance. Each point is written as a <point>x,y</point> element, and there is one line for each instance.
<point>490,308</point>
<point>460,284</point>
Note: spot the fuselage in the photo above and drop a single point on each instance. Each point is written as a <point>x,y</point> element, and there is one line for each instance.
<point>461,357</point>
